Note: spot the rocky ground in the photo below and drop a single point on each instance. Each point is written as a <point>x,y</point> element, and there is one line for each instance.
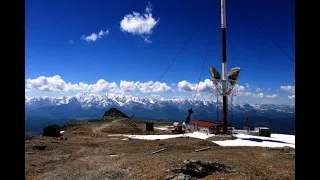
<point>87,152</point>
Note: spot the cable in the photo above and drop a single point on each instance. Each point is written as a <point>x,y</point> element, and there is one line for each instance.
<point>174,59</point>
<point>261,29</point>
<point>276,43</point>
<point>204,61</point>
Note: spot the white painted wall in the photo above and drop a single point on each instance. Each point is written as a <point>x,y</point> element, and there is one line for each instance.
<point>196,128</point>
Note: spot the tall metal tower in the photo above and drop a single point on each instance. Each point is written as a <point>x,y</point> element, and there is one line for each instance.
<point>224,84</point>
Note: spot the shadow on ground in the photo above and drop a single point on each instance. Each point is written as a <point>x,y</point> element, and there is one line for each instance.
<point>261,140</point>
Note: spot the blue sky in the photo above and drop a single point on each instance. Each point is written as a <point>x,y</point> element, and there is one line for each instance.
<point>64,57</point>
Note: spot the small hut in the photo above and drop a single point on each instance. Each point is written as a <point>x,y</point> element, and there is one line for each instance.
<point>52,130</point>
<point>149,126</point>
<point>263,131</point>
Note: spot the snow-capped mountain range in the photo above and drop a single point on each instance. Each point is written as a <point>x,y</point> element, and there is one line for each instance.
<point>95,105</point>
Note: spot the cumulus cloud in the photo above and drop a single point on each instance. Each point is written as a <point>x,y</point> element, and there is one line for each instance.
<point>259,90</point>
<point>95,36</point>
<point>102,86</point>
<point>129,86</point>
<point>56,83</point>
<point>290,89</point>
<point>258,95</point>
<point>138,24</point>
<point>204,86</point>
<point>273,96</point>
<point>146,87</point>
<point>292,97</point>
<point>207,86</point>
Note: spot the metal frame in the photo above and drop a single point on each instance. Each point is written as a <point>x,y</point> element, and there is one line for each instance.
<point>229,88</point>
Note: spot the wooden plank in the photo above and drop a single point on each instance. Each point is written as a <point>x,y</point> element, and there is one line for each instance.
<point>158,151</point>
<point>203,149</point>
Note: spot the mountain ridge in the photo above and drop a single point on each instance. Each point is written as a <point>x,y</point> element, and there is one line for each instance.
<point>279,117</point>
<point>93,104</point>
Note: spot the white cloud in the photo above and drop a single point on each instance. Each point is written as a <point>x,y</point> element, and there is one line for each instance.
<point>269,89</point>
<point>207,86</point>
<point>259,95</point>
<point>147,40</point>
<point>204,86</point>
<point>102,86</point>
<point>56,83</point>
<point>259,90</point>
<point>154,87</point>
<point>239,88</point>
<point>289,89</point>
<point>102,33</point>
<point>138,24</point>
<point>273,96</point>
<point>292,97</point>
<point>145,87</point>
<point>70,42</point>
<point>95,36</point>
<point>42,83</point>
<point>129,86</point>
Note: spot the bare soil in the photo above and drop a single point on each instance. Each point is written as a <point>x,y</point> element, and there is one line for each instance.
<point>89,153</point>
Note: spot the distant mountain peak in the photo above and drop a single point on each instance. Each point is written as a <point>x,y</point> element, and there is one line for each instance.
<point>95,105</point>
<point>114,112</point>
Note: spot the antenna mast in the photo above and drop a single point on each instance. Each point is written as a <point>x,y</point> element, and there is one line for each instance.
<point>225,83</point>
<point>224,66</point>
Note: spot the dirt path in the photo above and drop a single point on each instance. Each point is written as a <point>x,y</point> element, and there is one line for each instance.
<point>97,130</point>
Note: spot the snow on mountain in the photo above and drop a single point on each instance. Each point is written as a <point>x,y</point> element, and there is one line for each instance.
<point>106,101</point>
<point>280,118</point>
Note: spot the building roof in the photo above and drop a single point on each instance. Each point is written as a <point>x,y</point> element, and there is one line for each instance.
<point>53,126</point>
<point>204,123</point>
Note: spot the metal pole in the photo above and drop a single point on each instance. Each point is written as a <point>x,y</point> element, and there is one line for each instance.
<point>224,66</point>
<point>217,109</point>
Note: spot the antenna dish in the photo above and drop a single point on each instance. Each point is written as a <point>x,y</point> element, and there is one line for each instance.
<point>215,73</point>
<point>233,75</point>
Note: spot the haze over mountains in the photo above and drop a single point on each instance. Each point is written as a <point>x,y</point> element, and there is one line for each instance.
<point>280,117</point>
